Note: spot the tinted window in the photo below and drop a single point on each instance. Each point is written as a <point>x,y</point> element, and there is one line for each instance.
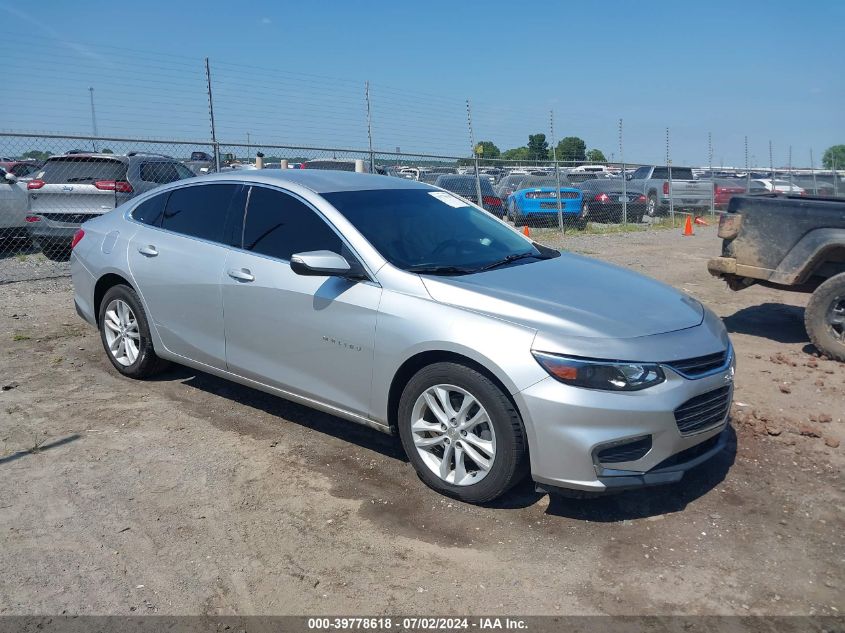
<point>465,185</point>
<point>151,211</point>
<point>199,211</point>
<point>279,225</point>
<point>159,172</point>
<point>82,169</point>
<point>640,173</point>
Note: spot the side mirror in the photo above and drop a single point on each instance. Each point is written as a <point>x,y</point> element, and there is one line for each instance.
<point>11,178</point>
<point>320,264</point>
<point>629,176</point>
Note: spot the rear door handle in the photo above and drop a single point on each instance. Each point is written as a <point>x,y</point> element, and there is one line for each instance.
<point>241,274</point>
<point>149,250</point>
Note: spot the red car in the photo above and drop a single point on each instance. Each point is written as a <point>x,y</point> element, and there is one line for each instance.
<point>724,190</point>
<point>21,168</point>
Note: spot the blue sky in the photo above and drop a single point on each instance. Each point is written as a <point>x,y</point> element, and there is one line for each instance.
<point>294,72</point>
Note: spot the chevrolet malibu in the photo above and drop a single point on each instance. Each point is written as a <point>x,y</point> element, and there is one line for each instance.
<point>397,305</point>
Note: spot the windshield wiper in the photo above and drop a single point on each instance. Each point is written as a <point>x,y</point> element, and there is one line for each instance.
<point>511,258</point>
<point>428,269</point>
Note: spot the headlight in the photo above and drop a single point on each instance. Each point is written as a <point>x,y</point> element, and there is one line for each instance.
<point>596,374</point>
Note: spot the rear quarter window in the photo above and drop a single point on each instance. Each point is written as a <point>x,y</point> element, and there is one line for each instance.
<point>151,211</point>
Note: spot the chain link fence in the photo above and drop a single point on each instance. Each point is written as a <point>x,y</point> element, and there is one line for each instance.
<point>51,184</point>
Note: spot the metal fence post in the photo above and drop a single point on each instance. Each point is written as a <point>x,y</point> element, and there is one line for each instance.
<point>369,128</point>
<point>712,178</point>
<point>790,169</point>
<point>214,142</point>
<point>624,180</point>
<point>669,167</point>
<point>557,172</point>
<point>772,167</point>
<point>474,156</point>
<point>813,169</point>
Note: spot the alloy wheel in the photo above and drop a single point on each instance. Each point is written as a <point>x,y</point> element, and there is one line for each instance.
<point>121,330</point>
<point>453,434</point>
<point>836,318</point>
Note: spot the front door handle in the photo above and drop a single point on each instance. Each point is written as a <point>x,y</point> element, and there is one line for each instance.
<point>241,274</point>
<point>149,250</point>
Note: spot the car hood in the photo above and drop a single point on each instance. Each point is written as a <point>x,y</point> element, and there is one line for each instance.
<point>573,296</point>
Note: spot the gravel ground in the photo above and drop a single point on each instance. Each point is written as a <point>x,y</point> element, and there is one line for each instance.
<point>190,495</point>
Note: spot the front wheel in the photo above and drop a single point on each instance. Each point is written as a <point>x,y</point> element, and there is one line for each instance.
<point>125,333</point>
<point>824,317</point>
<point>651,206</point>
<point>461,433</point>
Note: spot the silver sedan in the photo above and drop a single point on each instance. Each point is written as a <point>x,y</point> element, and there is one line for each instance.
<point>400,306</point>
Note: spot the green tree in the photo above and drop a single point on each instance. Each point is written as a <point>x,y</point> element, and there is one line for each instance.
<point>487,149</point>
<point>572,149</point>
<point>596,156</point>
<point>517,153</point>
<point>36,154</point>
<point>834,157</point>
<point>538,147</point>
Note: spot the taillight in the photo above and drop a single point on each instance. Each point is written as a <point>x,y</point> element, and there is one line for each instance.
<point>491,201</point>
<point>729,225</point>
<point>32,218</point>
<point>120,186</point>
<point>35,184</point>
<point>666,188</point>
<point>76,237</point>
<point>642,198</point>
<point>602,197</point>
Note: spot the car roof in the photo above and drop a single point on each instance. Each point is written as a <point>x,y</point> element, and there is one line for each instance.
<point>320,180</point>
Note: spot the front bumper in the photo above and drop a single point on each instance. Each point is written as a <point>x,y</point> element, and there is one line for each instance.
<point>568,426</point>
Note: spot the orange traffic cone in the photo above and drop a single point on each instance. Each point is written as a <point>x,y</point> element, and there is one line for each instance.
<point>701,221</point>
<point>525,231</point>
<point>688,227</point>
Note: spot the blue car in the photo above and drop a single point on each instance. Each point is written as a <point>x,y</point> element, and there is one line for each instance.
<point>535,203</point>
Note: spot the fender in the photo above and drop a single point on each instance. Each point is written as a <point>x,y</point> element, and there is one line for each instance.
<point>805,256</point>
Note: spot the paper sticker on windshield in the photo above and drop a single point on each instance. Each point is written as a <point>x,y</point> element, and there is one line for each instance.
<point>448,198</point>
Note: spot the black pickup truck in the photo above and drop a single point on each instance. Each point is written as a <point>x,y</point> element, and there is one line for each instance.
<point>790,242</point>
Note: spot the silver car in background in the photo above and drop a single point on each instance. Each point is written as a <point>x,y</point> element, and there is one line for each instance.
<point>398,305</point>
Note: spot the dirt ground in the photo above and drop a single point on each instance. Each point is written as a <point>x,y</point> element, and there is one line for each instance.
<point>190,495</point>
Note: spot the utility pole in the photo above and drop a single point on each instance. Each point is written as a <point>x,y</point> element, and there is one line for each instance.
<point>214,143</point>
<point>248,148</point>
<point>93,118</point>
<point>790,169</point>
<point>474,156</point>
<point>369,127</point>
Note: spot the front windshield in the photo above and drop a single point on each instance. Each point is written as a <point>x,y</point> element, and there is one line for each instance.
<point>426,230</point>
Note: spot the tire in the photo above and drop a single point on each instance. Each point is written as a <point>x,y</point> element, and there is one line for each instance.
<point>516,216</point>
<point>824,317</point>
<point>138,359</point>
<point>585,210</point>
<point>651,207</point>
<point>502,433</point>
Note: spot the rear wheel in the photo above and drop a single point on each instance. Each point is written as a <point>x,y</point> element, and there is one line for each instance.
<point>125,333</point>
<point>461,433</point>
<point>824,317</point>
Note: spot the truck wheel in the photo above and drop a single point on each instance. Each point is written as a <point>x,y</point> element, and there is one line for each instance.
<point>824,317</point>
<point>651,206</point>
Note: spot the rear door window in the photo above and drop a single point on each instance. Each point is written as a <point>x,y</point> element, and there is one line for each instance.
<point>278,225</point>
<point>151,211</point>
<point>82,169</point>
<point>201,211</point>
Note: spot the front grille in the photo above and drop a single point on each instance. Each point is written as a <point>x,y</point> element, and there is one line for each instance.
<point>704,411</point>
<point>532,195</point>
<point>628,452</point>
<point>70,218</point>
<point>569,194</point>
<point>551,205</point>
<point>695,367</point>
